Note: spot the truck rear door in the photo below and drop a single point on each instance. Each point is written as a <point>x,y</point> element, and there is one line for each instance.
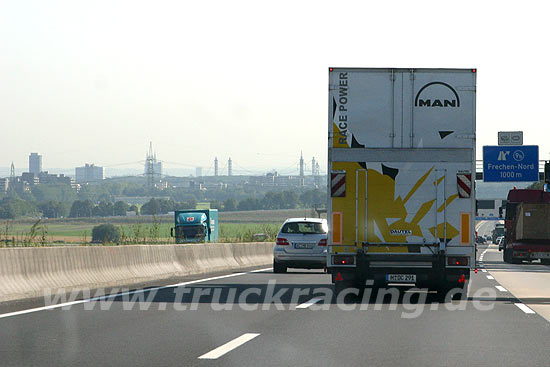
<point>402,159</point>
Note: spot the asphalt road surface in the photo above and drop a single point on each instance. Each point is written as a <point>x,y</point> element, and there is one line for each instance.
<point>230,320</point>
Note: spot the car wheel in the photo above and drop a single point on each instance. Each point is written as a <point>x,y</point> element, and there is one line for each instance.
<point>278,268</point>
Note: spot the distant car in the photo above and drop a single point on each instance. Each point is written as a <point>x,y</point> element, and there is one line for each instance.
<point>301,243</point>
<point>480,240</point>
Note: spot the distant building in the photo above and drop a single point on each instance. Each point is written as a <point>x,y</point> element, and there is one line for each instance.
<point>4,184</point>
<point>301,165</point>
<point>267,180</point>
<point>89,173</point>
<point>30,178</point>
<point>288,181</point>
<point>54,179</point>
<point>139,200</point>
<point>198,171</point>
<point>163,185</point>
<point>229,167</point>
<point>35,163</point>
<point>18,184</point>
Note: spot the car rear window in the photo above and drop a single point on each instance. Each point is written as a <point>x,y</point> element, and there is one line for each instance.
<point>304,228</point>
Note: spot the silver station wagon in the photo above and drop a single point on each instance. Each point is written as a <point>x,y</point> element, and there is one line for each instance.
<point>301,243</point>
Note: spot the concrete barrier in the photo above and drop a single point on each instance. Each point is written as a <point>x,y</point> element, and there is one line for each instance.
<point>27,272</point>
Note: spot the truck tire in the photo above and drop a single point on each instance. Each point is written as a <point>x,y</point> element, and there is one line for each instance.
<point>442,293</point>
<point>458,292</point>
<point>461,293</point>
<point>278,268</point>
<point>507,256</point>
<point>341,286</point>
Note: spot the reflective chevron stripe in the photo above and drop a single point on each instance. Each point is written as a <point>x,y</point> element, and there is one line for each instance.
<point>464,183</point>
<point>337,184</point>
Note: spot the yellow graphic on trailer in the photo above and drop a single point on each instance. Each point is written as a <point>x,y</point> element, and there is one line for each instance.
<point>389,220</point>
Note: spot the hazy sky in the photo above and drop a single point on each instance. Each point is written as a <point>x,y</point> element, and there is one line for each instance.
<point>96,81</point>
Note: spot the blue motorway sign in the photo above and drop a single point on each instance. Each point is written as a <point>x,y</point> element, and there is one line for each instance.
<point>510,163</point>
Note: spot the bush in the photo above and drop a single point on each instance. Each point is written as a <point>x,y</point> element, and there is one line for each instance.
<point>105,233</point>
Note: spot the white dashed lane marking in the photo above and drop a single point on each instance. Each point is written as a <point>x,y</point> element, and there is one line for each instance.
<point>229,346</point>
<point>524,308</point>
<point>309,303</point>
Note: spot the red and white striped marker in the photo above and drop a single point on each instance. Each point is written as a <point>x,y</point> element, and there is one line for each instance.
<point>464,183</point>
<point>337,184</point>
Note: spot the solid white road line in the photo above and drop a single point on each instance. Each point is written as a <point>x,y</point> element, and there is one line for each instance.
<point>228,347</point>
<point>524,308</point>
<point>490,277</point>
<point>309,303</point>
<point>501,288</point>
<point>66,304</point>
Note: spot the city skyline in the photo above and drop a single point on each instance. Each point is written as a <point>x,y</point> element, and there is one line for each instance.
<point>137,168</point>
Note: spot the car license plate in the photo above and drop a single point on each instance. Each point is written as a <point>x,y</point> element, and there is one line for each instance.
<point>300,246</point>
<point>401,278</point>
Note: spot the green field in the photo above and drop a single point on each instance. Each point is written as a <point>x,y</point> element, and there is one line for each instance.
<point>233,227</point>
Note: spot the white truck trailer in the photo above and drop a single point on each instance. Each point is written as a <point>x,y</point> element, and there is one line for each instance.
<point>401,158</point>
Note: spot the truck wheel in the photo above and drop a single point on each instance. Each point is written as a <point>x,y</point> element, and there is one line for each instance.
<point>442,292</point>
<point>506,256</point>
<point>456,293</point>
<point>341,286</point>
<point>278,268</point>
<point>461,293</point>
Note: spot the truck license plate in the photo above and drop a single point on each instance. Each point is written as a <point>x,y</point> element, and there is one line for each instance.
<point>401,278</point>
<point>303,245</point>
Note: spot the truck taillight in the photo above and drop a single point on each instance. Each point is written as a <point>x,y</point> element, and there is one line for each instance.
<point>323,242</point>
<point>282,241</point>
<point>460,261</point>
<point>343,260</point>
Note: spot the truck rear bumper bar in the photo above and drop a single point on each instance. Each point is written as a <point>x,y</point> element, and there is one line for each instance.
<point>401,264</point>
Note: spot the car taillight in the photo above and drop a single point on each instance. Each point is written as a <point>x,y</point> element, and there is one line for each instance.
<point>461,261</point>
<point>323,242</point>
<point>282,241</point>
<point>343,260</point>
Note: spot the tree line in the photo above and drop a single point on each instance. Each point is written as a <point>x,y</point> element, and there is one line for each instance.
<point>14,207</point>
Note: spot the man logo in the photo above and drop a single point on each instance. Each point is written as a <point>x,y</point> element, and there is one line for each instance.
<point>429,101</point>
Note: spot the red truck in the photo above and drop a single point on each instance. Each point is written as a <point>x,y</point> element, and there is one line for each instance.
<point>527,226</point>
